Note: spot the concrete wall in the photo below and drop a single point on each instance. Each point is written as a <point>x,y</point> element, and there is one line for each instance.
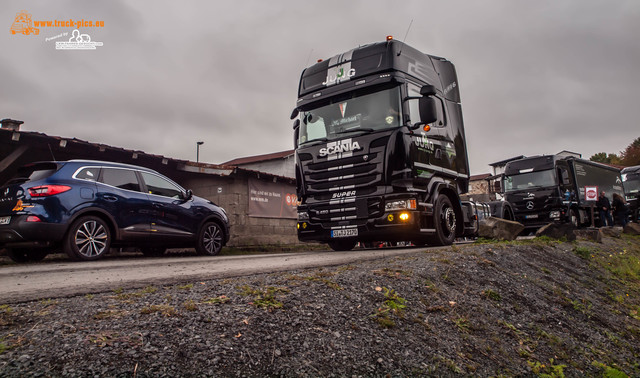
<point>232,193</point>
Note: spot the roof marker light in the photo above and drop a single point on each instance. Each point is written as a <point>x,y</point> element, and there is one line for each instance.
<point>389,37</point>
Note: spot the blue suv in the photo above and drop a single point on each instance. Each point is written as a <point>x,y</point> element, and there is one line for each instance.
<point>87,207</point>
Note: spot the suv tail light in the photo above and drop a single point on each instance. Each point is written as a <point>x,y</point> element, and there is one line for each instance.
<point>48,190</point>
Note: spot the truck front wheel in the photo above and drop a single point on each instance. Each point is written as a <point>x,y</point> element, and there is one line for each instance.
<point>342,245</point>
<point>444,219</point>
<point>574,218</point>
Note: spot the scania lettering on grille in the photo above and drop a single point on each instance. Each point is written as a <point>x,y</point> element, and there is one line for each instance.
<point>339,147</point>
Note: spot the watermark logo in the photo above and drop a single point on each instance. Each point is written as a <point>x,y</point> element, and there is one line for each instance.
<point>78,42</point>
<point>23,24</point>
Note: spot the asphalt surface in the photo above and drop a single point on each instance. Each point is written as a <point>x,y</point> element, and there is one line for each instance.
<point>27,282</point>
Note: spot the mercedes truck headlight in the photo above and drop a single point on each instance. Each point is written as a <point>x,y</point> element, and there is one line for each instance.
<point>303,216</point>
<point>554,215</point>
<point>409,204</point>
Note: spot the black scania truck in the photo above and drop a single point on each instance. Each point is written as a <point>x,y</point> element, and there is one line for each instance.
<point>552,188</point>
<point>381,150</point>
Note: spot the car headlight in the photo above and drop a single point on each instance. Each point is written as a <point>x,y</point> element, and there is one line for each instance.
<point>554,214</point>
<point>303,216</point>
<point>409,204</point>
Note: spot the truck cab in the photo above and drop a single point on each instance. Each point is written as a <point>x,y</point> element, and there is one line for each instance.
<point>631,183</point>
<point>536,188</point>
<point>552,188</point>
<point>380,148</point>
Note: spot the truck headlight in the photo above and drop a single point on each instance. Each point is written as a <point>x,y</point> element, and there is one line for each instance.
<point>554,215</point>
<point>409,204</point>
<point>303,216</point>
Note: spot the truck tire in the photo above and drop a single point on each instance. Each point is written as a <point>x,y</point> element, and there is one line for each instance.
<point>574,218</point>
<point>502,210</point>
<point>444,220</point>
<point>342,245</point>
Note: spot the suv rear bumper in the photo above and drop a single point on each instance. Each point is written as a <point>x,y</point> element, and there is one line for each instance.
<point>21,232</point>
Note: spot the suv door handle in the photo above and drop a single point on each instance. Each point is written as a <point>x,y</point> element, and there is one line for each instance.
<point>110,198</point>
<point>158,205</point>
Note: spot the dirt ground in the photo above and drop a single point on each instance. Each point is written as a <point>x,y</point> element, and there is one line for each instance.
<point>527,308</point>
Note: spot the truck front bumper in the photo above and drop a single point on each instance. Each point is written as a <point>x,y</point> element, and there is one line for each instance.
<point>392,226</point>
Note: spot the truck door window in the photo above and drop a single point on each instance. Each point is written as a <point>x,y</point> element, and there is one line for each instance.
<point>414,110</point>
<point>563,175</point>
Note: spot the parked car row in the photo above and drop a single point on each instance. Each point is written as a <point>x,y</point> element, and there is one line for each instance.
<point>87,207</point>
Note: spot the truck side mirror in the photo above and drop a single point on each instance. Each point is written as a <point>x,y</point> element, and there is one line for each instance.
<point>295,113</point>
<point>428,90</point>
<point>296,134</point>
<point>296,124</point>
<point>428,113</point>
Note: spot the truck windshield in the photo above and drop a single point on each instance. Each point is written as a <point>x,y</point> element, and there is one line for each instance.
<point>526,181</point>
<point>364,112</point>
<point>631,182</point>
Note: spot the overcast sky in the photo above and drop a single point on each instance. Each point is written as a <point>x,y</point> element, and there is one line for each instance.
<point>536,77</point>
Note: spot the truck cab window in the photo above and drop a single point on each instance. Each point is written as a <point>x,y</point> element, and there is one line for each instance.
<point>414,110</point>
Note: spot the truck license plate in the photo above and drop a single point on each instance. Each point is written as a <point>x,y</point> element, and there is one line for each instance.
<point>5,220</point>
<point>532,216</point>
<point>344,233</point>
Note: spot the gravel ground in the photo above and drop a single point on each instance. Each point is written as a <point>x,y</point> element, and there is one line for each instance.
<point>526,308</point>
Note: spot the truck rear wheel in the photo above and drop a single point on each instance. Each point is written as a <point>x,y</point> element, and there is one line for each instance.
<point>444,219</point>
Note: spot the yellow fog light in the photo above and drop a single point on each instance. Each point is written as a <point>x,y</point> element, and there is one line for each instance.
<point>298,226</point>
<point>404,216</point>
<point>304,225</point>
<point>390,217</point>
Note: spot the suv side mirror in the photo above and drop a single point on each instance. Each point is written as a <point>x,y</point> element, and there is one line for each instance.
<point>188,195</point>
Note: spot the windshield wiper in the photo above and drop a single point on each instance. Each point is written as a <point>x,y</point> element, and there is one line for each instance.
<point>366,130</point>
<point>315,141</point>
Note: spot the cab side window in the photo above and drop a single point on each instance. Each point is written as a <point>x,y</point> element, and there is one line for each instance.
<point>160,187</point>
<point>120,178</point>
<point>414,110</point>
